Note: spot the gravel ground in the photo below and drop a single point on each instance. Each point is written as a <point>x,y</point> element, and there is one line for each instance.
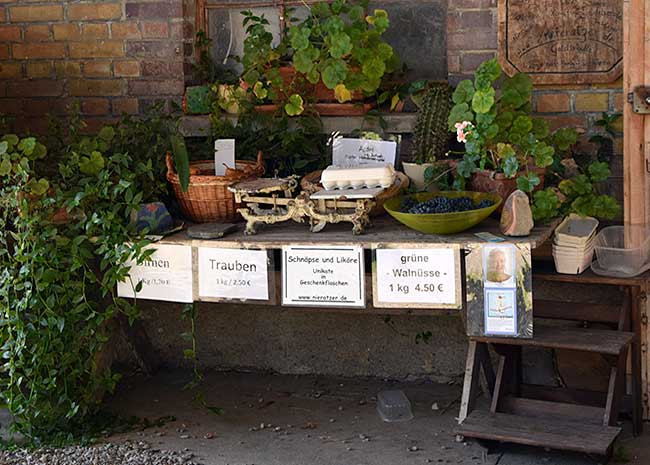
<point>128,453</point>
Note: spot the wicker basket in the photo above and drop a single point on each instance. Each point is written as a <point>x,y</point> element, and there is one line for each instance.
<point>311,184</point>
<point>207,198</point>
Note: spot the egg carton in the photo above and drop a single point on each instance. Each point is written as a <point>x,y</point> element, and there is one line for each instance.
<point>366,176</point>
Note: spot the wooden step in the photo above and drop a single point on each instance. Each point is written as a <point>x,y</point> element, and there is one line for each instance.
<point>601,341</point>
<point>552,410</point>
<point>554,434</point>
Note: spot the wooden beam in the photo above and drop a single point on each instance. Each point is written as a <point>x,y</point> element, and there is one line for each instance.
<point>636,72</point>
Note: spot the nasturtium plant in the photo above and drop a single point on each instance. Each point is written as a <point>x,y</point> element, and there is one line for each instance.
<point>336,44</point>
<point>492,116</point>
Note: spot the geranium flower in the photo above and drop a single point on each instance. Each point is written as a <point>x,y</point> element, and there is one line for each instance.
<point>461,134</point>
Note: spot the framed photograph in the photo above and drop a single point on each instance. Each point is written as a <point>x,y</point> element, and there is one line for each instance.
<point>500,266</point>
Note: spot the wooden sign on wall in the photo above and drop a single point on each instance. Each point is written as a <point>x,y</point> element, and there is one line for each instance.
<point>562,41</point>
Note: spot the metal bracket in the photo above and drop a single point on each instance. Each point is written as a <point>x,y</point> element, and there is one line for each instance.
<point>640,100</point>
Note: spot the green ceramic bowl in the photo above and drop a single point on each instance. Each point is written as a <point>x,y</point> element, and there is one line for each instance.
<point>443,223</point>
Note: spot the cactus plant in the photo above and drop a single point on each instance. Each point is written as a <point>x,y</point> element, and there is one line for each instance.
<point>431,131</point>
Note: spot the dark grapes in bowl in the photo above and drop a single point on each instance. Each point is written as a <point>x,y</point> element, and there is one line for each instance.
<point>443,212</point>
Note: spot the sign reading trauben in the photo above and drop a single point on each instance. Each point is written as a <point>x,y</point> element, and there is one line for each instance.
<point>328,276</point>
<point>233,274</point>
<point>417,277</point>
<point>166,275</point>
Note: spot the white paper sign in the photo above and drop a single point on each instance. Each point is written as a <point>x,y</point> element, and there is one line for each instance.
<point>331,276</point>
<point>224,155</point>
<point>501,312</point>
<point>166,276</point>
<point>422,277</point>
<point>356,152</point>
<point>233,273</point>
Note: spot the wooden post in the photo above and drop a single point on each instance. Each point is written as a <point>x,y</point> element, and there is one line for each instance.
<point>636,72</point>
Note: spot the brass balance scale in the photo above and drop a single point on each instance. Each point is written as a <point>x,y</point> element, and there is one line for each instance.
<point>271,201</point>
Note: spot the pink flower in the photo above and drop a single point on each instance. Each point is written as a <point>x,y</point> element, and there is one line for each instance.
<point>461,134</point>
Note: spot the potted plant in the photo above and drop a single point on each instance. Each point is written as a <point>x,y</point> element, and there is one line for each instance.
<point>431,135</point>
<point>335,54</point>
<point>505,148</point>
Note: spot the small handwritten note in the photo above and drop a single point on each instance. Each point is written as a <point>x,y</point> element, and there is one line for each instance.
<point>356,152</point>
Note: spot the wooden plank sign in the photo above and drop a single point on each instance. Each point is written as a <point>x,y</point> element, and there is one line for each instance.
<point>166,276</point>
<point>562,41</point>
<point>323,276</point>
<point>417,277</point>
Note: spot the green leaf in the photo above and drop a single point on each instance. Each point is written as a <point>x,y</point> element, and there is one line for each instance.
<point>27,145</point>
<point>599,171</point>
<point>339,45</point>
<point>107,133</point>
<point>545,205</point>
<point>606,207</point>
<point>294,105</point>
<point>39,151</point>
<point>464,92</point>
<point>4,145</point>
<point>299,37</point>
<point>458,114</point>
<point>260,91</point>
<point>39,187</point>
<point>373,67</point>
<point>516,91</point>
<point>543,155</point>
<point>181,160</point>
<point>528,182</point>
<point>334,73</point>
<point>303,60</point>
<point>93,164</point>
<point>510,165</point>
<point>505,151</point>
<point>11,139</point>
<point>342,93</point>
<point>5,166</point>
<point>522,126</point>
<point>564,138</point>
<point>541,128</point>
<point>379,20</point>
<point>483,100</point>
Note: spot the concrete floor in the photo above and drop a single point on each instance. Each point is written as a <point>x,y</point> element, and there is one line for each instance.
<point>309,420</point>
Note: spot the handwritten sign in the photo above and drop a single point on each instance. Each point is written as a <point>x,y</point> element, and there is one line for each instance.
<point>579,41</point>
<point>166,275</point>
<point>357,152</point>
<point>323,276</point>
<point>224,155</point>
<point>417,277</point>
<point>233,274</point>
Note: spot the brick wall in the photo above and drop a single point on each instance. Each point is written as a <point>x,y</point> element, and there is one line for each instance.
<point>472,39</point>
<point>113,57</point>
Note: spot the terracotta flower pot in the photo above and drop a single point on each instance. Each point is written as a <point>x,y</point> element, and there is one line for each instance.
<point>491,181</point>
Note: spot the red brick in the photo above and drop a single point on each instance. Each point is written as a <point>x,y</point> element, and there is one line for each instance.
<point>10,34</point>
<point>11,106</point>
<point>162,68</point>
<point>66,32</point>
<point>36,88</point>
<point>94,125</point>
<point>163,10</point>
<point>129,106</point>
<point>11,71</point>
<point>155,30</point>
<point>4,52</point>
<point>474,19</point>
<point>478,39</point>
<point>37,107</point>
<point>171,87</point>
<point>95,31</point>
<point>125,31</point>
<point>97,68</point>
<point>471,61</point>
<point>67,69</point>
<point>94,10</point>
<point>566,121</point>
<point>36,13</point>
<point>3,91</point>
<point>38,50</point>
<point>37,33</point>
<point>592,102</point>
<point>553,103</point>
<point>153,49</point>
<point>39,69</point>
<point>95,106</point>
<point>129,68</point>
<point>180,31</point>
<point>3,14</point>
<point>94,88</point>
<point>101,49</point>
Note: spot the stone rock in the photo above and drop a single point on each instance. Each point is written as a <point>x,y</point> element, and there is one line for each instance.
<point>517,217</point>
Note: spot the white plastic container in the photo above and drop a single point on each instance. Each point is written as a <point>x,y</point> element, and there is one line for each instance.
<point>394,406</point>
<point>374,175</point>
<point>623,249</point>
